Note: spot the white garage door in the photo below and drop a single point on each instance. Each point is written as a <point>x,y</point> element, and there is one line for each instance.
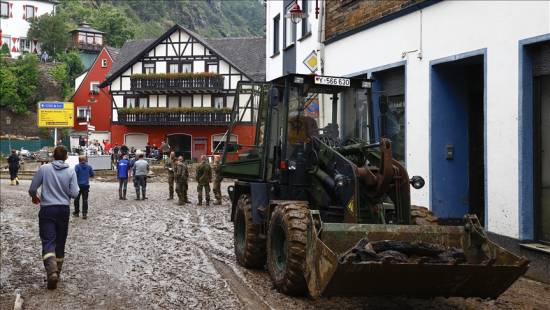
<point>137,140</point>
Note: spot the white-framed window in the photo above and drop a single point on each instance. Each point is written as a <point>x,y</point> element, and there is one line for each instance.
<point>276,33</point>
<point>98,39</point>
<point>83,113</point>
<point>186,101</point>
<point>173,102</point>
<point>218,143</point>
<point>24,44</point>
<point>218,102</point>
<point>4,9</point>
<point>29,12</point>
<point>94,87</point>
<point>187,67</point>
<point>143,102</point>
<point>212,67</point>
<point>130,102</point>
<point>173,67</point>
<point>290,28</point>
<point>103,63</point>
<point>148,67</point>
<point>306,26</point>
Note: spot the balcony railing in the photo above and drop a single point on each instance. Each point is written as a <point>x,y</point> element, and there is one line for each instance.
<point>177,84</point>
<point>88,46</point>
<point>221,118</point>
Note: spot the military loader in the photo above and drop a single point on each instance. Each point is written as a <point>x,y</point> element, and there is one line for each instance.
<point>316,195</point>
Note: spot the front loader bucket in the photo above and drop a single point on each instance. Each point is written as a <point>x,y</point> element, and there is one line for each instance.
<point>487,273</point>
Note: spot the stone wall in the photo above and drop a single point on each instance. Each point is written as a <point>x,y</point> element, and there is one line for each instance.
<point>346,15</point>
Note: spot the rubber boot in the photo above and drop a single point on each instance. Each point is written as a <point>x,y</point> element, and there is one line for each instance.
<point>120,194</point>
<point>207,202</point>
<point>59,265</point>
<point>200,202</point>
<point>123,194</point>
<point>16,181</point>
<point>52,275</point>
<point>137,194</point>
<point>12,182</point>
<point>218,202</point>
<point>143,194</point>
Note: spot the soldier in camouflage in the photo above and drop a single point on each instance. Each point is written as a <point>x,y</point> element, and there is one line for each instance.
<point>204,177</point>
<point>170,166</point>
<point>181,175</point>
<point>216,186</point>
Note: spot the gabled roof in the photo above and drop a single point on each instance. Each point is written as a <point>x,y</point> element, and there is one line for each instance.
<point>113,52</point>
<point>85,27</point>
<point>248,53</point>
<point>132,51</point>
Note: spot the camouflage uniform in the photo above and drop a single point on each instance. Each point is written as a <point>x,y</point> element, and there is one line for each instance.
<point>181,175</point>
<point>216,186</point>
<point>170,166</point>
<point>204,177</point>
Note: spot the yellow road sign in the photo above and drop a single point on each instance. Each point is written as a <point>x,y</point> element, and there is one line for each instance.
<point>55,114</point>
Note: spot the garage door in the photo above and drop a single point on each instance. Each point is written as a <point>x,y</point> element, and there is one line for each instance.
<point>137,140</point>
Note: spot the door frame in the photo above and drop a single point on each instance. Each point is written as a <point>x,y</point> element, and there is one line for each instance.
<point>182,133</point>
<point>449,59</point>
<point>527,207</point>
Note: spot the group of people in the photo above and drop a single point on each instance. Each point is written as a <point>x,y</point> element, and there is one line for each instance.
<point>139,170</point>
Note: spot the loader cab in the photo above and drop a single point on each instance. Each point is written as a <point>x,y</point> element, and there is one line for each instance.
<point>284,116</point>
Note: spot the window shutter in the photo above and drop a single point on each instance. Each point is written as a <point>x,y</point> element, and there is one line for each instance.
<point>11,9</point>
<point>24,12</point>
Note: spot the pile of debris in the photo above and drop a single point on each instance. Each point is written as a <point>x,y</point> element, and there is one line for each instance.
<point>393,251</point>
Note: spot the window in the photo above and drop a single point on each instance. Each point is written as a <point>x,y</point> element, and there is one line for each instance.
<point>306,27</point>
<point>148,67</point>
<point>212,67</point>
<point>290,29</point>
<point>89,39</point>
<point>218,102</point>
<point>173,102</point>
<point>276,22</point>
<point>186,102</point>
<point>173,67</point>
<point>98,39</point>
<point>103,63</point>
<point>81,38</point>
<point>4,9</point>
<point>187,67</point>
<point>29,12</point>
<point>130,102</point>
<point>83,113</point>
<point>143,102</point>
<point>94,87</point>
<point>25,45</point>
<point>218,143</point>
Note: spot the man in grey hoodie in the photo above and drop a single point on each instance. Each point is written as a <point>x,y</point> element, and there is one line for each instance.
<point>59,185</point>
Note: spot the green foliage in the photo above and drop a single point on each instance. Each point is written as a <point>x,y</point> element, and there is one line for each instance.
<point>173,110</point>
<point>18,83</point>
<point>74,64</point>
<point>61,74</point>
<point>114,22</point>
<point>5,51</point>
<point>52,31</point>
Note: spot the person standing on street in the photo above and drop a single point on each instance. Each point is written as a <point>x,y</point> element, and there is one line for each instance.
<point>59,185</point>
<point>164,149</point>
<point>181,174</point>
<point>170,166</point>
<point>141,169</point>
<point>204,177</point>
<point>123,170</point>
<point>13,166</point>
<point>83,174</point>
<point>216,188</point>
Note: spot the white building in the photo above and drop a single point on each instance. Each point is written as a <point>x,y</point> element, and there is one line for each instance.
<point>468,88</point>
<point>15,17</point>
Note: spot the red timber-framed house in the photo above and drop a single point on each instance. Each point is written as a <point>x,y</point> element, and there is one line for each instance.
<point>180,88</point>
<point>92,103</point>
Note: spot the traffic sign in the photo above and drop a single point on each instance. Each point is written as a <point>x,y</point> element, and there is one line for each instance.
<point>53,114</point>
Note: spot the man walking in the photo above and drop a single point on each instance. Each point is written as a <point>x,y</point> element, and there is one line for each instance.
<point>141,169</point>
<point>204,177</point>
<point>123,170</point>
<point>170,166</point>
<point>181,174</point>
<point>13,166</point>
<point>216,188</point>
<point>83,174</point>
<point>59,185</point>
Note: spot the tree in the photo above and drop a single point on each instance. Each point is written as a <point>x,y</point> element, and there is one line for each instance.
<point>114,23</point>
<point>8,90</point>
<point>5,51</point>
<point>74,64</point>
<point>18,83</point>
<point>51,31</point>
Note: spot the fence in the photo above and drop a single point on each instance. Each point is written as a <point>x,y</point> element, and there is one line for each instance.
<point>31,145</point>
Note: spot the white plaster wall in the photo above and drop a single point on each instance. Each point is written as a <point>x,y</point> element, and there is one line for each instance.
<point>450,28</point>
<point>160,67</point>
<point>79,80</point>
<point>16,26</point>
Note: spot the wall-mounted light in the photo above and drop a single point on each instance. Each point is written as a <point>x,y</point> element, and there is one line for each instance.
<point>295,13</point>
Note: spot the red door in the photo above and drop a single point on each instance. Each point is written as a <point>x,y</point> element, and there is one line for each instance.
<point>199,148</point>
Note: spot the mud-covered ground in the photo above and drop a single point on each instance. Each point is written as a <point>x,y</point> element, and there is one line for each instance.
<point>154,254</point>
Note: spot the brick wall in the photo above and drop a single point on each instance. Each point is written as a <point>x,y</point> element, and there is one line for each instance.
<point>346,15</point>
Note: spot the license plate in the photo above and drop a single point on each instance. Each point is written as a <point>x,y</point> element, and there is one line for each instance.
<point>327,80</point>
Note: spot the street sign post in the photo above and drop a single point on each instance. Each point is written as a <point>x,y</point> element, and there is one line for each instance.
<point>55,114</point>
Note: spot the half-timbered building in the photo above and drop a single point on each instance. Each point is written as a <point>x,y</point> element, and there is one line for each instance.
<point>180,88</point>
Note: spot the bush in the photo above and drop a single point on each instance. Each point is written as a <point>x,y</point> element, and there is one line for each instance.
<point>5,51</point>
<point>61,74</point>
<point>18,83</point>
<point>74,64</point>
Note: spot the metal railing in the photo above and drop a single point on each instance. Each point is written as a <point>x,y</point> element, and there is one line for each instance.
<point>177,83</point>
<point>174,118</point>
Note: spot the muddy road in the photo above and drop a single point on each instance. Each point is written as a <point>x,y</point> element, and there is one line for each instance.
<point>154,254</point>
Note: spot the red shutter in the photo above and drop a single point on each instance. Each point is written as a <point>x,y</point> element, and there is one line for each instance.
<point>14,48</point>
<point>35,43</point>
<point>11,9</point>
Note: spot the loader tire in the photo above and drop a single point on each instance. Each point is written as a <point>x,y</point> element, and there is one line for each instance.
<point>422,216</point>
<point>286,248</point>
<point>249,241</point>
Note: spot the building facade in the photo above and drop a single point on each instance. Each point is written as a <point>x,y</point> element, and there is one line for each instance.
<point>15,17</point>
<point>93,105</point>
<point>88,41</point>
<point>467,89</point>
<point>181,88</point>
